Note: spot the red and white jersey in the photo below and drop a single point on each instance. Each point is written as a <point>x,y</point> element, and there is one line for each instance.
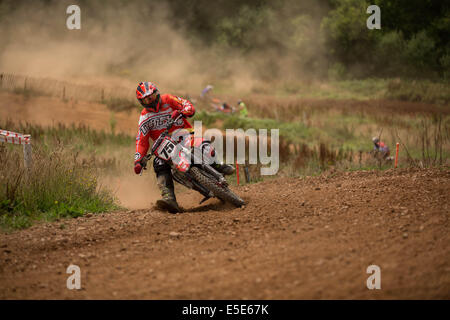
<point>152,124</point>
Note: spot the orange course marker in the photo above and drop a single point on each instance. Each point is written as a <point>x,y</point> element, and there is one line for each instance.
<point>396,155</point>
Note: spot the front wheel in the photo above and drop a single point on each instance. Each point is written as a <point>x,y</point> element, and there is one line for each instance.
<point>219,191</point>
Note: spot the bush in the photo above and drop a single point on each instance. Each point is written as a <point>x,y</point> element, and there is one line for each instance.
<point>445,64</point>
<point>346,32</point>
<point>337,72</point>
<point>208,118</point>
<point>420,53</point>
<point>390,57</point>
<point>58,186</point>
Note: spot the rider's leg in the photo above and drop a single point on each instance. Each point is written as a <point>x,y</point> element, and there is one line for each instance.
<point>165,184</point>
<point>223,168</point>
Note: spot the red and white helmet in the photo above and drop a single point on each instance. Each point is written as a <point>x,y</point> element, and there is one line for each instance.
<point>148,89</point>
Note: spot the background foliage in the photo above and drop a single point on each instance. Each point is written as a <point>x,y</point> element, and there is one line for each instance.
<point>413,40</point>
<point>322,38</point>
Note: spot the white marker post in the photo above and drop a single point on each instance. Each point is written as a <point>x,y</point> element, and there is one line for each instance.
<point>19,138</point>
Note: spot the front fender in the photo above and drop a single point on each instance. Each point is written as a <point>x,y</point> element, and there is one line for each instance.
<point>181,160</point>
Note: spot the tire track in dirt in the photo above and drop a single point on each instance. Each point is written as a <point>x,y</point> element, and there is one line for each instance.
<point>309,238</point>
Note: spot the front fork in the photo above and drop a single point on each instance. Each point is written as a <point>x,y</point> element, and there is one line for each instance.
<point>219,177</point>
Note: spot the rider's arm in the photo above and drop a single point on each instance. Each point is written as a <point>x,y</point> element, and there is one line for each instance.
<point>142,140</point>
<point>142,146</point>
<point>184,106</point>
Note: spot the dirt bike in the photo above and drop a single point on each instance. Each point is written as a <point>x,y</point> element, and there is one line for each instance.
<point>381,156</point>
<point>190,168</point>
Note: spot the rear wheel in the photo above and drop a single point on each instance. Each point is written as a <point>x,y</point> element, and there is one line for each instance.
<point>220,192</point>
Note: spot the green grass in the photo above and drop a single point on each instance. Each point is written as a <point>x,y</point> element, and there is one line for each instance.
<point>58,186</point>
<point>333,139</point>
<point>436,92</point>
<point>292,131</point>
<point>391,89</point>
<point>421,91</point>
<point>64,180</point>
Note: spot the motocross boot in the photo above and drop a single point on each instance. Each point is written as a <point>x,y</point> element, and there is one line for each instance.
<point>168,201</point>
<point>225,169</point>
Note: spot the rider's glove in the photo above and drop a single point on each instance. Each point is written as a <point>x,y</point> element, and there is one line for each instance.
<point>137,167</point>
<point>175,114</point>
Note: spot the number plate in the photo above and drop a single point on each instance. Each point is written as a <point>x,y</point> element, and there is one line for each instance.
<point>165,150</point>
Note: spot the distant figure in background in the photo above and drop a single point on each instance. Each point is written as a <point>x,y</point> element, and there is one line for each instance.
<point>226,108</point>
<point>222,106</point>
<point>242,108</point>
<point>205,91</point>
<point>381,147</point>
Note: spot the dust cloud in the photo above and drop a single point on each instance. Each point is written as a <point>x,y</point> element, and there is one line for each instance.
<point>133,191</point>
<point>122,43</point>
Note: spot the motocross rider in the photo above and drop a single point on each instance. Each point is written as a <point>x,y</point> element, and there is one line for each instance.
<point>158,109</point>
<point>380,146</point>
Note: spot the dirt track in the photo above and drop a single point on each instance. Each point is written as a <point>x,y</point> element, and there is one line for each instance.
<point>296,239</point>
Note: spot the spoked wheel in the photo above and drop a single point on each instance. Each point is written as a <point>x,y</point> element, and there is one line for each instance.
<point>223,193</point>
